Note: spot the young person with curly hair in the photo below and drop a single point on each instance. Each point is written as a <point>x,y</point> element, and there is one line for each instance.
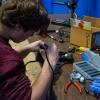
<point>19,19</point>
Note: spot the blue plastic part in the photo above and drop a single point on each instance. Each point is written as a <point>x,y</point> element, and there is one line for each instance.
<point>84,57</point>
<point>95,86</point>
<point>94,89</point>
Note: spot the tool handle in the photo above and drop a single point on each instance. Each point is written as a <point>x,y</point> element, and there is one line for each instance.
<point>78,87</point>
<point>68,83</point>
<point>45,46</point>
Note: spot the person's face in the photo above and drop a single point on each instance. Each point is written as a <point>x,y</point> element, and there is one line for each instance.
<point>20,35</point>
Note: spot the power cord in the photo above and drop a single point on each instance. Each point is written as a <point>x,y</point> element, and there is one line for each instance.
<point>50,88</point>
<point>45,47</point>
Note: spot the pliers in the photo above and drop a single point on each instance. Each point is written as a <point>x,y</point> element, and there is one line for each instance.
<point>75,83</point>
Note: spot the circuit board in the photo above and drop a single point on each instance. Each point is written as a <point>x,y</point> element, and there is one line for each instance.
<point>88,70</point>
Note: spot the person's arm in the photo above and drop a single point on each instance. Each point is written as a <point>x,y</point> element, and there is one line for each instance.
<point>33,47</point>
<point>40,88</point>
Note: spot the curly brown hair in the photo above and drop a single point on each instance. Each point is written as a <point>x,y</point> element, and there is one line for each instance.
<point>27,13</point>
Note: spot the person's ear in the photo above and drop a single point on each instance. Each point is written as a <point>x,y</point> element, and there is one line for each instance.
<point>17,27</point>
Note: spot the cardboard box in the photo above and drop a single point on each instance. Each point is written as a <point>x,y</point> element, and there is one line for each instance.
<point>81,34</point>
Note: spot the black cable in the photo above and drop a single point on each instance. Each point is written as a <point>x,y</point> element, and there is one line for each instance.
<point>30,62</point>
<point>45,47</point>
<point>50,88</point>
<point>49,63</point>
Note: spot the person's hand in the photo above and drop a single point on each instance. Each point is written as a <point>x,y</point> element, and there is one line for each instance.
<point>52,54</point>
<point>35,46</point>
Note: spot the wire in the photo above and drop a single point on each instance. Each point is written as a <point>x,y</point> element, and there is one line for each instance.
<point>51,85</point>
<point>30,62</point>
<point>49,64</point>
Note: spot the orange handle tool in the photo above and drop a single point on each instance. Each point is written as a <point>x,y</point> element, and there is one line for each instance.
<point>78,87</point>
<point>68,83</point>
